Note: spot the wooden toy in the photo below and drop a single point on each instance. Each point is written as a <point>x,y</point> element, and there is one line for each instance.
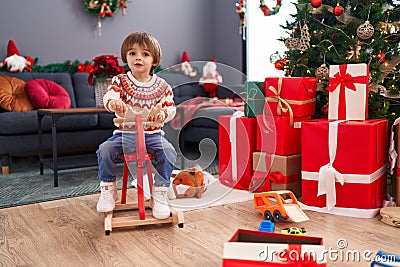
<point>143,163</point>
<point>279,205</point>
<point>391,216</point>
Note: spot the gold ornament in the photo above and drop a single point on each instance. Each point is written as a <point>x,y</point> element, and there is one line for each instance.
<point>354,52</point>
<point>322,72</point>
<point>292,43</point>
<point>365,30</point>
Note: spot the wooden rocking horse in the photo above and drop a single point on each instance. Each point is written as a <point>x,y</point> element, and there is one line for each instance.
<point>142,161</point>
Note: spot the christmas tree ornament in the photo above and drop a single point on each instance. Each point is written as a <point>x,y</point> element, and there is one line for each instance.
<point>274,57</point>
<point>365,30</point>
<point>354,52</point>
<point>241,11</point>
<point>338,10</point>
<point>304,42</point>
<point>322,72</point>
<point>316,3</point>
<point>292,43</point>
<point>280,64</point>
<point>381,57</point>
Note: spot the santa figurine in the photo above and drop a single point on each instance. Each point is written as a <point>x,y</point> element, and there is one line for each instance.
<point>14,61</point>
<point>211,78</point>
<point>186,67</point>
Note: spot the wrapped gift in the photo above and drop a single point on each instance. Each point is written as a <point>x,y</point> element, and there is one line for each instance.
<point>348,92</point>
<point>254,100</point>
<point>256,248</point>
<point>237,142</point>
<point>291,96</point>
<point>276,172</point>
<point>344,166</point>
<point>279,134</point>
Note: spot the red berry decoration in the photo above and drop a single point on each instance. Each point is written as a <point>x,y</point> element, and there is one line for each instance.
<point>316,3</point>
<point>338,10</point>
<point>381,57</point>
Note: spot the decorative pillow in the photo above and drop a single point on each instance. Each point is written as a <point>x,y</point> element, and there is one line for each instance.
<point>47,94</point>
<point>12,95</point>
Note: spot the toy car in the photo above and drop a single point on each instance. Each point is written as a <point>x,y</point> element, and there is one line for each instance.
<point>266,226</point>
<point>293,231</point>
<point>279,205</point>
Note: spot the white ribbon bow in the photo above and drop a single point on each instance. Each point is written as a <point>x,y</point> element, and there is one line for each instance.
<point>328,175</point>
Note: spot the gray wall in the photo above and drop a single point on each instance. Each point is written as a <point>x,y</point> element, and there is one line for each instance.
<point>58,30</point>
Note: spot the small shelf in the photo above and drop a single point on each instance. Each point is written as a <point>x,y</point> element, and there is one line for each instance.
<point>72,162</point>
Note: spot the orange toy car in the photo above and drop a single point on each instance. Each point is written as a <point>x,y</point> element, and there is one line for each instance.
<point>279,205</point>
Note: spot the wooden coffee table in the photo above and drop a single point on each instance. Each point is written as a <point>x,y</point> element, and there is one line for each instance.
<point>66,162</point>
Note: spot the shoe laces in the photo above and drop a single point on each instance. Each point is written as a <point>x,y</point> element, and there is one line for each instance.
<point>107,193</point>
<point>161,196</point>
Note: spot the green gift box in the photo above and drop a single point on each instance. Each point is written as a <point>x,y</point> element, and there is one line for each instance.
<point>254,99</point>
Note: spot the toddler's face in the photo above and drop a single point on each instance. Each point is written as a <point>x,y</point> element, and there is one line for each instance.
<point>140,60</point>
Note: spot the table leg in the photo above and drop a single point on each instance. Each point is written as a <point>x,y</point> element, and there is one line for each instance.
<point>54,145</point>
<point>40,117</point>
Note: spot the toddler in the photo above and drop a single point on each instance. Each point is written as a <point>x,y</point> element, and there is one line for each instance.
<point>139,90</point>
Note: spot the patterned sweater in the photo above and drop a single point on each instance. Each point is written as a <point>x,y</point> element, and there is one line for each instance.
<point>141,97</point>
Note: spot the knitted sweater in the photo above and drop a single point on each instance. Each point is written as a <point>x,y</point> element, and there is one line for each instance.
<point>141,97</point>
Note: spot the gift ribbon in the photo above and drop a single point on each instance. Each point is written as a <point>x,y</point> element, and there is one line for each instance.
<point>261,179</point>
<point>392,150</point>
<point>233,140</point>
<point>344,80</point>
<point>284,104</point>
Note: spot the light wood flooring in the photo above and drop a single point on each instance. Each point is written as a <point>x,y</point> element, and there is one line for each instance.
<point>71,233</point>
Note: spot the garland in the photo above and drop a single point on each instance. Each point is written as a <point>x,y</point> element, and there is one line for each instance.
<point>267,11</point>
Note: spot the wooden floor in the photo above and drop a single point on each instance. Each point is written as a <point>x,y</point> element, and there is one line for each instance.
<point>71,233</point>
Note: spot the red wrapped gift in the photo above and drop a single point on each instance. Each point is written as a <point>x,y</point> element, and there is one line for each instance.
<point>291,96</point>
<point>344,166</point>
<point>237,142</point>
<point>278,136</point>
<point>348,92</point>
<point>275,172</point>
<point>248,248</point>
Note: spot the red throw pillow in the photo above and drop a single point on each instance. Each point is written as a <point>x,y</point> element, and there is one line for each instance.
<point>47,94</point>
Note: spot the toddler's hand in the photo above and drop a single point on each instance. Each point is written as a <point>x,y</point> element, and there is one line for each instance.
<point>118,107</point>
<point>156,115</point>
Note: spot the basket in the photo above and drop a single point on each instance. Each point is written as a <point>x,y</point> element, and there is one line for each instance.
<point>100,89</point>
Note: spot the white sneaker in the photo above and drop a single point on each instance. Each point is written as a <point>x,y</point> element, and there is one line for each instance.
<point>106,201</point>
<point>115,192</point>
<point>159,203</point>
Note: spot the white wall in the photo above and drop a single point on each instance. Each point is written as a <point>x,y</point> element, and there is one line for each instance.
<point>262,34</point>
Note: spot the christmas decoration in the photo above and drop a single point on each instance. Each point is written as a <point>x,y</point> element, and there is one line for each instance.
<point>365,30</point>
<point>267,11</point>
<point>14,61</point>
<point>280,64</point>
<point>105,66</point>
<point>316,3</point>
<point>241,10</point>
<point>359,34</point>
<point>304,42</point>
<point>274,57</point>
<point>186,67</point>
<point>322,71</point>
<point>211,78</point>
<point>338,10</point>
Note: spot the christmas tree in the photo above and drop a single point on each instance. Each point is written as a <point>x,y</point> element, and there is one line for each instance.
<point>324,33</point>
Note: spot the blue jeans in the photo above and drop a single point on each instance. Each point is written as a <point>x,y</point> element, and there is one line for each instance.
<point>109,154</point>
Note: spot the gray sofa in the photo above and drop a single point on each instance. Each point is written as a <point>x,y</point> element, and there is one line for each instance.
<point>75,134</point>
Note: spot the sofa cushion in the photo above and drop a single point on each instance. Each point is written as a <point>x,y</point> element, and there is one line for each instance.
<point>63,79</point>
<point>47,94</point>
<point>83,90</point>
<point>12,95</point>
<point>208,118</point>
<point>27,123</point>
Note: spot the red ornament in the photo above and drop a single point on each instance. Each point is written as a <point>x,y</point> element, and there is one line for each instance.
<point>338,10</point>
<point>381,57</point>
<point>316,3</point>
<point>280,64</point>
